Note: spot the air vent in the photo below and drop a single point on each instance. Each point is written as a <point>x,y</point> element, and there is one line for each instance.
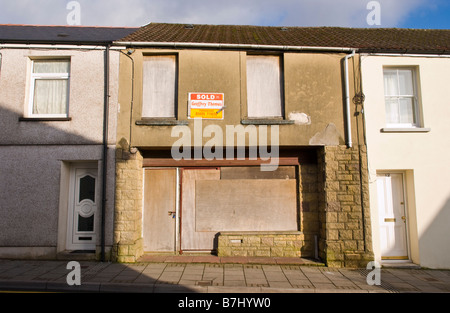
<point>284,29</point>
<point>189,26</point>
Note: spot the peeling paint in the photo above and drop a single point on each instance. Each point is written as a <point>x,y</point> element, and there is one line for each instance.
<point>300,118</point>
<point>330,136</point>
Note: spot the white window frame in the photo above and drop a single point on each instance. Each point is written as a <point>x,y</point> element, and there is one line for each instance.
<point>52,76</point>
<point>414,96</point>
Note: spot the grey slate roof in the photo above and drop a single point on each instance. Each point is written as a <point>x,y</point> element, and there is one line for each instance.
<point>61,34</point>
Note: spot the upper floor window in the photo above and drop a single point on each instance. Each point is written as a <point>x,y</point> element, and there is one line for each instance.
<point>264,87</point>
<point>401,101</point>
<point>49,88</point>
<point>159,86</point>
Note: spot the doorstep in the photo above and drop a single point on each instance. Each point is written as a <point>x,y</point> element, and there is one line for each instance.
<point>155,258</point>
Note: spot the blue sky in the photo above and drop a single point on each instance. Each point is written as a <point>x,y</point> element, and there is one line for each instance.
<point>344,13</point>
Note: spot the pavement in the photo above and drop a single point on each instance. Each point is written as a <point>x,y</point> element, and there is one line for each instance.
<point>161,274</point>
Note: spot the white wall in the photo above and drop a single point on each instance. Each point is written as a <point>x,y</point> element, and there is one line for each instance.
<point>422,156</point>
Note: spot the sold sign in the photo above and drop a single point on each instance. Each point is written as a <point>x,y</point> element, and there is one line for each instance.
<point>206,105</point>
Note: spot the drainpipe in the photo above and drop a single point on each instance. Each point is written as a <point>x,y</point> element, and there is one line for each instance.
<point>105,150</point>
<point>347,99</point>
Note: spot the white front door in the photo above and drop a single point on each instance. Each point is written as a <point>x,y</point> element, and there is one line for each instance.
<point>392,217</point>
<point>83,213</point>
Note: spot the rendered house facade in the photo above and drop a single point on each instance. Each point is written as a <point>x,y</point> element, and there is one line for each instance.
<point>407,136</point>
<point>58,100</point>
<point>267,96</point>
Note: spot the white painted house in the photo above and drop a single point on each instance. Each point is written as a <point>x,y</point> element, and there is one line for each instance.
<point>406,109</point>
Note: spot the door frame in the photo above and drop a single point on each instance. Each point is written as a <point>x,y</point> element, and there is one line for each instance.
<point>405,211</point>
<point>177,203</point>
<point>70,220</point>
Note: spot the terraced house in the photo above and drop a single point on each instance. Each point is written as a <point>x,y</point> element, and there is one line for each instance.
<point>243,141</point>
<point>325,143</point>
<point>58,98</point>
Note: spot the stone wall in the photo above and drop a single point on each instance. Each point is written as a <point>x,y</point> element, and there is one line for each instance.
<point>309,196</point>
<point>345,233</point>
<point>262,244</point>
<point>128,242</point>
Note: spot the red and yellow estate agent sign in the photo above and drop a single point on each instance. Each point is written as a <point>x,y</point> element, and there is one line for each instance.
<point>206,105</point>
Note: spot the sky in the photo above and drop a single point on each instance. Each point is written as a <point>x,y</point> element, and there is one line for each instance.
<point>135,13</point>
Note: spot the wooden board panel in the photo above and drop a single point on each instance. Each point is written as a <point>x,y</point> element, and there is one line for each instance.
<point>159,198</point>
<point>254,172</point>
<point>192,239</point>
<point>246,205</point>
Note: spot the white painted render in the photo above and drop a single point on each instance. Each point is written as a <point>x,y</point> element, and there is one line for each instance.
<point>421,154</point>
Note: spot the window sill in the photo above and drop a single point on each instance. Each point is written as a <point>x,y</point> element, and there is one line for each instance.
<point>405,130</point>
<point>267,122</point>
<point>161,123</point>
<point>44,119</point>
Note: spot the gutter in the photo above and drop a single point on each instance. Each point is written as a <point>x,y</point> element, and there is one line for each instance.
<point>176,45</point>
<point>98,46</point>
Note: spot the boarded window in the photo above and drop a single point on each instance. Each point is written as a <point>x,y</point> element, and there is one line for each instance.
<point>264,92</point>
<point>246,199</point>
<point>159,84</point>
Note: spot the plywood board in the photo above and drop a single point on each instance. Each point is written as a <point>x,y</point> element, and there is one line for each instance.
<point>159,199</point>
<point>246,205</point>
<point>254,172</point>
<point>191,238</point>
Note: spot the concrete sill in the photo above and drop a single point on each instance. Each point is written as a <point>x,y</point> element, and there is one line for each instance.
<point>250,233</point>
<point>161,123</point>
<point>44,119</point>
<point>267,122</point>
<point>405,130</point>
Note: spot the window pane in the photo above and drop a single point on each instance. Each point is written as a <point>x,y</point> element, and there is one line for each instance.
<point>405,82</point>
<point>87,188</point>
<point>263,86</point>
<point>86,223</point>
<point>406,111</point>
<point>390,83</point>
<point>159,86</point>
<point>51,66</point>
<point>392,111</point>
<point>50,96</point>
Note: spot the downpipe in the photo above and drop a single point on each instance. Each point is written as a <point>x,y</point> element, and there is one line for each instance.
<point>347,100</point>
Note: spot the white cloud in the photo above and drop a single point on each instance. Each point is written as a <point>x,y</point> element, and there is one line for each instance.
<point>346,13</point>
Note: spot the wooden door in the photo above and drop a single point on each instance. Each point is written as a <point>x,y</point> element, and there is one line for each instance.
<point>194,239</point>
<point>159,210</point>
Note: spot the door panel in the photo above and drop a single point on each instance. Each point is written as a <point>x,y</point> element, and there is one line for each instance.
<point>392,218</point>
<point>192,238</point>
<point>82,208</point>
<point>159,200</point>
